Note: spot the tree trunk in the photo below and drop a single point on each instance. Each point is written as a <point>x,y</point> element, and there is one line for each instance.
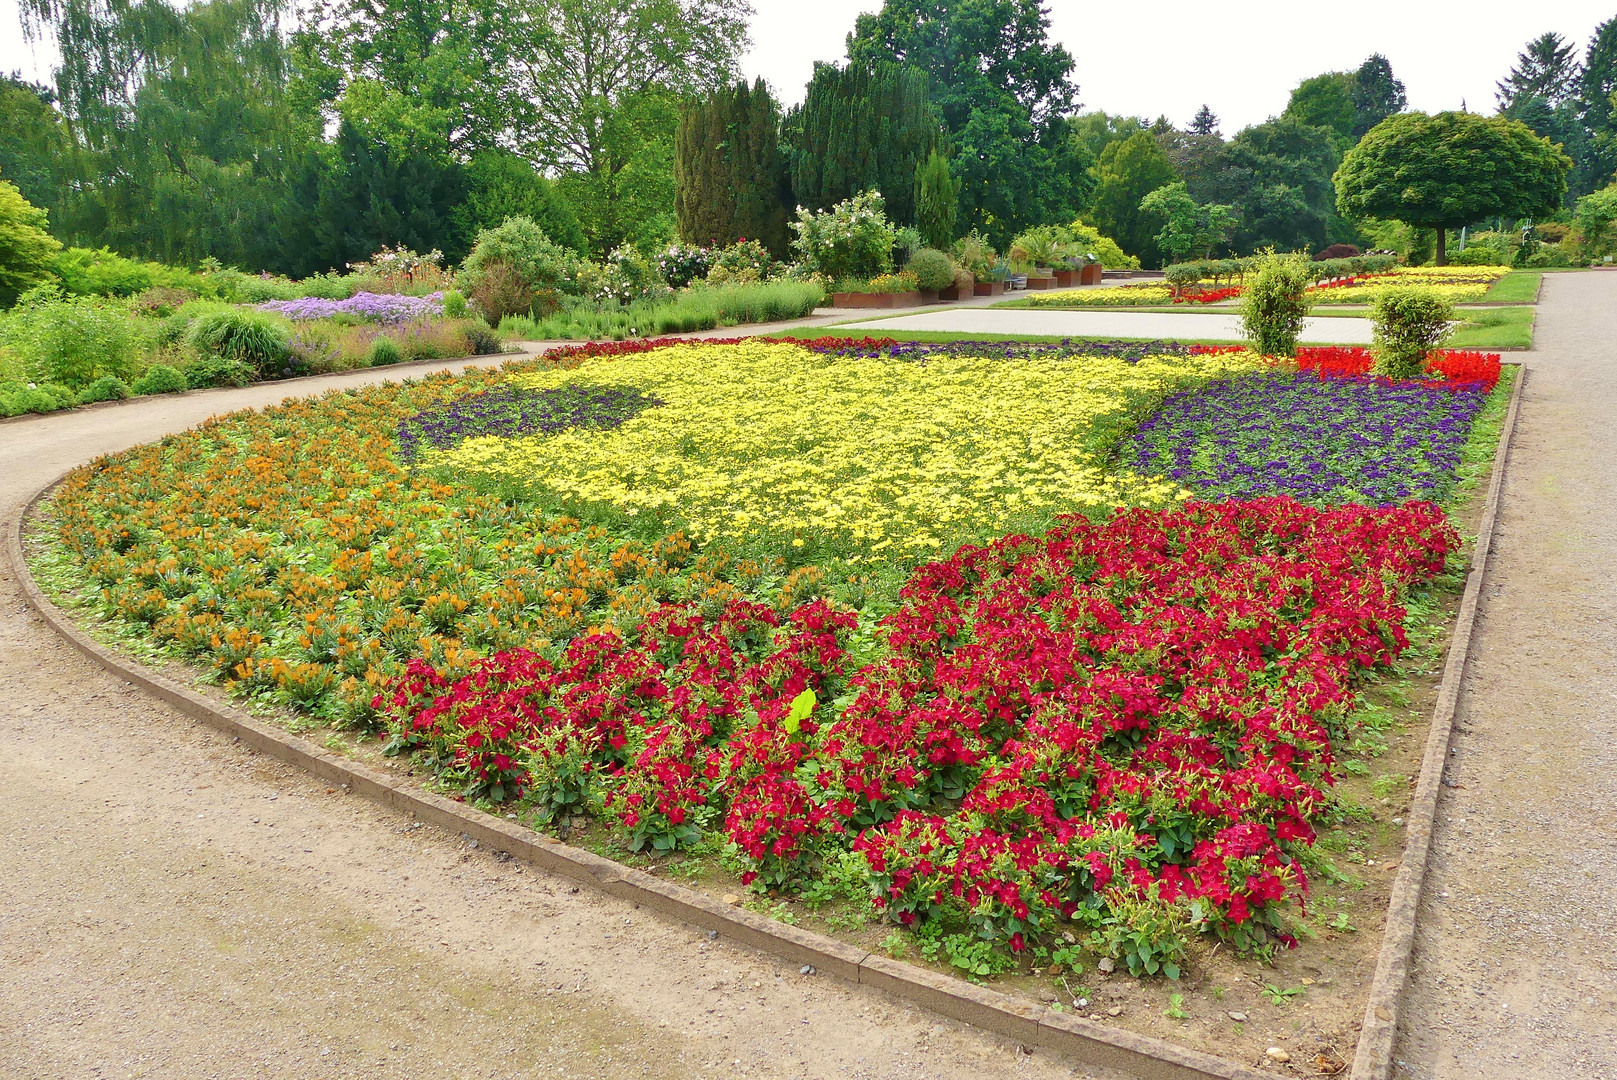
<point>1442,246</point>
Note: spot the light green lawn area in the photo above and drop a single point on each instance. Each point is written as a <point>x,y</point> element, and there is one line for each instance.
<point>1494,328</point>
<point>1516,287</point>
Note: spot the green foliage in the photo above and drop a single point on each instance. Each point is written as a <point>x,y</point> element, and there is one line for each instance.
<point>1128,171</point>
<point>561,776</point>
<point>1451,169</point>
<point>500,185</point>
<point>17,398</point>
<point>852,239</point>
<point>1596,218</point>
<point>931,268</point>
<point>161,379</point>
<point>1087,240</point>
<point>1409,323</point>
<point>454,304</point>
<point>1274,305</point>
<point>255,339</point>
<point>937,201</point>
<point>1325,101</point>
<point>35,153</point>
<point>72,340</point>
<point>521,245</point>
<point>1188,227</point>
<point>203,372</point>
<point>729,171</point>
<point>1376,94</point>
<point>1279,181</point>
<point>1042,246</point>
<point>384,352</point>
<point>106,388</point>
<point>862,128</point>
<point>1147,933</point>
<point>693,309</point>
<point>25,247</point>
<point>1003,91</point>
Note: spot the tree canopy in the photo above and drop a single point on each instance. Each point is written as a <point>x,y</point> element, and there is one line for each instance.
<point>1127,172</point>
<point>1451,169</point>
<point>729,171</point>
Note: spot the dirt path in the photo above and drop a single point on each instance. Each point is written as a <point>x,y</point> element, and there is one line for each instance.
<point>1515,970</point>
<point>173,906</point>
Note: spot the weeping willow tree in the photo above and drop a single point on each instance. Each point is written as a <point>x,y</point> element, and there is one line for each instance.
<point>862,127</point>
<point>180,136</point>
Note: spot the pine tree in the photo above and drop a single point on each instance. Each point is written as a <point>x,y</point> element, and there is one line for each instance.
<point>729,171</point>
<point>860,128</point>
<point>1204,122</point>
<point>1596,87</point>
<point>1377,94</point>
<point>1548,68</point>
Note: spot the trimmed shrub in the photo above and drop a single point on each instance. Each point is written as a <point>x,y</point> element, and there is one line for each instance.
<point>519,247</point>
<point>1274,304</point>
<point>932,269</point>
<point>1338,251</point>
<point>161,379</point>
<point>209,371</point>
<point>384,352</point>
<point>249,336</point>
<point>1409,323</point>
<point>106,388</point>
<point>18,398</point>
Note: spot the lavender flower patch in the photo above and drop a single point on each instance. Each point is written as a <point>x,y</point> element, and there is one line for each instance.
<point>371,307</point>
<point>1329,440</point>
<point>508,411</point>
<point>1010,350</point>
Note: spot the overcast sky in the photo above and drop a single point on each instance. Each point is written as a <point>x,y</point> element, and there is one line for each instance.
<point>1170,56</point>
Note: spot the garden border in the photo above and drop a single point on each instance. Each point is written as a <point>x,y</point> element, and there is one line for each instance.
<point>1373,1060</point>
<point>1086,1041</point>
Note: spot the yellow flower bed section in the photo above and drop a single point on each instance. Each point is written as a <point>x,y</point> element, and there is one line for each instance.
<point>863,457</point>
<point>1460,284</point>
<point>1120,296</point>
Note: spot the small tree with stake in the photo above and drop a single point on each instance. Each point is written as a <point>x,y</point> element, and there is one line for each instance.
<point>1441,172</point>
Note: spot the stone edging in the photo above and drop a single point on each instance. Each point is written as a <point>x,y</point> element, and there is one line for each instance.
<point>1083,1040</point>
<point>1373,1059</point>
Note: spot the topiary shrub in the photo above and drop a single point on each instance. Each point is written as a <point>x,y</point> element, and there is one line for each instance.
<point>1274,304</point>
<point>209,371</point>
<point>249,336</point>
<point>384,351</point>
<point>161,379</point>
<point>1338,251</point>
<point>106,388</point>
<point>932,269</point>
<point>1409,323</point>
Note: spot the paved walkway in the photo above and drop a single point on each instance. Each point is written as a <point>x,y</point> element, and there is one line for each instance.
<point>1196,326</point>
<point>174,907</point>
<point>1515,970</point>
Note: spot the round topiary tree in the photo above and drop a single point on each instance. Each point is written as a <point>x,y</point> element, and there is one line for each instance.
<point>1441,172</point>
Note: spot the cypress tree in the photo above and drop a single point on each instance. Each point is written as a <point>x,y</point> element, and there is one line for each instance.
<point>729,171</point>
<point>862,127</point>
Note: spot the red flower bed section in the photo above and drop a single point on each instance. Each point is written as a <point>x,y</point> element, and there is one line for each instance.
<point>1127,725</point>
<point>1450,369</point>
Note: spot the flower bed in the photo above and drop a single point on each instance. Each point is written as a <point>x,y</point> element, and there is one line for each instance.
<point>827,607</point>
<point>1460,284</point>
<point>365,306</point>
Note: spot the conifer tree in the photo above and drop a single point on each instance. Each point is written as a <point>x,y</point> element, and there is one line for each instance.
<point>729,171</point>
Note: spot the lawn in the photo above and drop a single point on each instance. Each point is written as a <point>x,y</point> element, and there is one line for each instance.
<point>1019,654</point>
<point>1516,287</point>
<point>1494,328</point>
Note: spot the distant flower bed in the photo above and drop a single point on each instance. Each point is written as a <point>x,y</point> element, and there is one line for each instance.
<point>367,306</point>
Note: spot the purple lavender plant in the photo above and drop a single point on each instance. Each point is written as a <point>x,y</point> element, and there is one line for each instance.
<point>1319,440</point>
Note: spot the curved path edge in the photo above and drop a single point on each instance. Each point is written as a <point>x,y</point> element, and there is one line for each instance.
<point>1074,1036</point>
<point>1030,1023</point>
<point>1374,1059</point>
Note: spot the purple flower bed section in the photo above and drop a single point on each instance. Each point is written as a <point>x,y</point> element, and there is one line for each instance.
<point>1011,350</point>
<point>508,411</point>
<point>1318,440</point>
<point>372,307</point>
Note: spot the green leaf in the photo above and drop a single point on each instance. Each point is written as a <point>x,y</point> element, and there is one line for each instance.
<point>802,705</point>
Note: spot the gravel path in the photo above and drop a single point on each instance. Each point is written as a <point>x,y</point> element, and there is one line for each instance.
<point>1106,324</point>
<point>173,906</point>
<point>1515,966</point>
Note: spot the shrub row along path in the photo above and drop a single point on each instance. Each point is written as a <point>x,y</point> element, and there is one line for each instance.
<point>1197,326</point>
<point>1515,966</point>
<point>174,906</point>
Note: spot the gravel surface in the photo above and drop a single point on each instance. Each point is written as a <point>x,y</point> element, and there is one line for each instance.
<point>174,906</point>
<point>1515,965</point>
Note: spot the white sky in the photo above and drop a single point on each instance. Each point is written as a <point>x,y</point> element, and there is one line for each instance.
<point>1169,56</point>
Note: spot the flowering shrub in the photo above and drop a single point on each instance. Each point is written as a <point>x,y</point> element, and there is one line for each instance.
<point>682,264</point>
<point>366,306</point>
<point>853,239</point>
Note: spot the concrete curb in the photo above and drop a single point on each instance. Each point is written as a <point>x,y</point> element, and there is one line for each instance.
<point>1080,1039</point>
<point>1374,1058</point>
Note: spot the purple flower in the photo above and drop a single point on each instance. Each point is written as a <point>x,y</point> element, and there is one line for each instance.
<point>508,411</point>
<point>372,307</point>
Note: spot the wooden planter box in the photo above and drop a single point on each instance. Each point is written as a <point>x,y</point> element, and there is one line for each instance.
<point>875,299</point>
<point>1066,279</point>
<point>988,288</point>
<point>1090,274</point>
<point>949,295</point>
<point>930,296</point>
<point>1034,283</point>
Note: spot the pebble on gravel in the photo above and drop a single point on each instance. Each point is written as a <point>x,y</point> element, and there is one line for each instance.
<point>1277,1054</point>
<point>1238,1017</point>
<point>1106,965</point>
<point>806,969</point>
